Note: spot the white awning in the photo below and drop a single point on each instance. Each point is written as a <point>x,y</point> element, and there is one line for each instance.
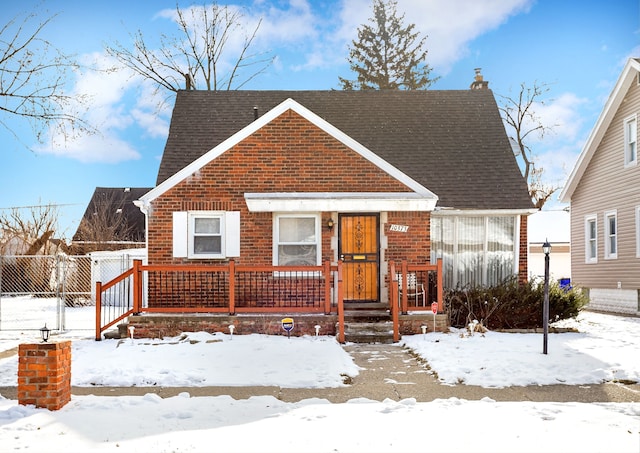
<point>338,201</point>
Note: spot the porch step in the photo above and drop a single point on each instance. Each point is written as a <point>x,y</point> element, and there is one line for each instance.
<point>368,332</point>
<point>367,322</point>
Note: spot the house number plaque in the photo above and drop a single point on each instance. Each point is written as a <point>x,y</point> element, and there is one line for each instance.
<point>399,228</point>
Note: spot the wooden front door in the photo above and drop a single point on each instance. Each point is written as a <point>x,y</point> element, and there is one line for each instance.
<point>359,251</point>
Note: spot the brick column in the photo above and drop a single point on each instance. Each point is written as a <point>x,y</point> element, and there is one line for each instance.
<point>44,374</point>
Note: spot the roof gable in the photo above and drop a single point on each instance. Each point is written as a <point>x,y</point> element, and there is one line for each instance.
<point>452,142</point>
<point>259,123</point>
<point>627,77</point>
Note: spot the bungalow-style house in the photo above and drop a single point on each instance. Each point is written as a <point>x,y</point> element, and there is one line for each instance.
<point>604,192</point>
<point>111,221</point>
<point>292,182</point>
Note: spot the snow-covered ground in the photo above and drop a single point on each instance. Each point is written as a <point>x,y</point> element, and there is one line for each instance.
<point>606,348</point>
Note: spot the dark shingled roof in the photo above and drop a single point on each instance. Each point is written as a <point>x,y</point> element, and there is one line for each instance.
<point>452,142</point>
<point>118,198</point>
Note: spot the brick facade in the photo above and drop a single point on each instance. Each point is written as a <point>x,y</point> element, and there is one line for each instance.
<point>287,155</point>
<point>44,374</point>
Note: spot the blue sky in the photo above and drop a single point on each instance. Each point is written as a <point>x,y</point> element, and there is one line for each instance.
<point>578,47</point>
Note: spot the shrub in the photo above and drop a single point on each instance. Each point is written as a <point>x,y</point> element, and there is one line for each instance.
<point>511,305</point>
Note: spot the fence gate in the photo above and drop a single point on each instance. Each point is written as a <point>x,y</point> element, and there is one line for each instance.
<point>51,289</point>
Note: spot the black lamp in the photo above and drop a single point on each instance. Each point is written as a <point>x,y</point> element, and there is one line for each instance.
<point>44,332</point>
<point>546,248</point>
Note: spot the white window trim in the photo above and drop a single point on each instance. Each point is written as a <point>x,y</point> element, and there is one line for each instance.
<point>183,228</point>
<point>318,233</point>
<point>587,239</point>
<point>627,161</point>
<point>608,255</point>
<point>637,231</point>
<point>192,216</point>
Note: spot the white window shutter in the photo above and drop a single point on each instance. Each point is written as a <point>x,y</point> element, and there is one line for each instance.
<point>180,234</point>
<point>232,233</point>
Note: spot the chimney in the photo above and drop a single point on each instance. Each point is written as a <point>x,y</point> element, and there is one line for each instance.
<point>479,82</point>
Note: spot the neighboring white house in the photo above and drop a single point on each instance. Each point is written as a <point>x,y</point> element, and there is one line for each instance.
<point>552,226</point>
<point>107,265</point>
<point>604,192</point>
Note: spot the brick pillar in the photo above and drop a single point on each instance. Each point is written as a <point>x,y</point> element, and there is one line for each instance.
<point>44,374</point>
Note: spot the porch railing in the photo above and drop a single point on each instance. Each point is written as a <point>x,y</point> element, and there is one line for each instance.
<point>228,289</point>
<point>419,286</point>
<point>232,289</point>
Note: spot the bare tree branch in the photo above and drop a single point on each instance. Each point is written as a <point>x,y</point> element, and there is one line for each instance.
<point>519,115</point>
<point>198,52</point>
<point>33,74</point>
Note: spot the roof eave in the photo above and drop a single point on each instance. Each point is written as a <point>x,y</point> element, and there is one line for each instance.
<point>629,73</point>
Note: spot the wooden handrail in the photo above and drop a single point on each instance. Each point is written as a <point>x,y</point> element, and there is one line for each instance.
<point>341,337</point>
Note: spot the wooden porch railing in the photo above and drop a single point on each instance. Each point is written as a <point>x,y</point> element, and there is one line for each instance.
<point>232,289</point>
<point>228,289</point>
<point>422,281</point>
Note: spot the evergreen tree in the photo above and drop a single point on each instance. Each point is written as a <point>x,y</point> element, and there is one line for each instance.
<point>388,55</point>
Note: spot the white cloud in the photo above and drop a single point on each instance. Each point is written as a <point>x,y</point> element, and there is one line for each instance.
<point>449,24</point>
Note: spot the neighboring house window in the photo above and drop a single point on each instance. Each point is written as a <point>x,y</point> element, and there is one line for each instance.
<point>206,234</point>
<point>296,240</point>
<point>475,251</point>
<point>591,239</point>
<point>611,235</point>
<point>638,234</point>
<point>631,141</point>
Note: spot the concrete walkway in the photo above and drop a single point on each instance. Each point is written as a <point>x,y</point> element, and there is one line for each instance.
<point>387,371</point>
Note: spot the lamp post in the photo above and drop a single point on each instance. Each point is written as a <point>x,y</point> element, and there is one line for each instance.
<point>546,248</point>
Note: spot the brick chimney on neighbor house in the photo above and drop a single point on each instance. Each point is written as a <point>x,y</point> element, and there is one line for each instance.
<point>479,83</point>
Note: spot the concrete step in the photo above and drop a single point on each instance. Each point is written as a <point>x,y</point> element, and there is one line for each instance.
<point>369,332</point>
<point>366,316</point>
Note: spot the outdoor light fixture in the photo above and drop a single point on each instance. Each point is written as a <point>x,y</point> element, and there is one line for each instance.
<point>546,248</point>
<point>330,224</point>
<point>44,332</point>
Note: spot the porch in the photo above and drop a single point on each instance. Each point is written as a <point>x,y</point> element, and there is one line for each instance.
<point>159,301</point>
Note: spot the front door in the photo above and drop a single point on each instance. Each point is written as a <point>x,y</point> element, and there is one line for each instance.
<point>359,250</point>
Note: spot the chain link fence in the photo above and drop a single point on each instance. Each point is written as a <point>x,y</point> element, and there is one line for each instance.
<point>56,290</point>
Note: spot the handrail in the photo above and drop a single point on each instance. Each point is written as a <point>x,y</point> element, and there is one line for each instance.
<point>231,306</point>
<point>341,337</point>
<point>231,271</point>
<point>393,300</point>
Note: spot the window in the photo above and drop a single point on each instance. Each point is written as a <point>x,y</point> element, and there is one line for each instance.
<point>591,239</point>
<point>611,235</point>
<point>206,234</point>
<point>206,237</point>
<point>638,234</point>
<point>630,141</point>
<point>475,250</point>
<point>296,240</point>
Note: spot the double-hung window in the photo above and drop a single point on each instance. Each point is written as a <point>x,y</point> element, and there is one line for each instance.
<point>296,240</point>
<point>206,234</point>
<point>630,141</point>
<point>591,239</point>
<point>206,238</point>
<point>610,235</point>
<point>638,233</point>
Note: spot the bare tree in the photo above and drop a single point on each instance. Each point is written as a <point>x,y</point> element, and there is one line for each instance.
<point>519,114</point>
<point>106,223</point>
<point>198,55</point>
<point>33,74</point>
<point>33,230</point>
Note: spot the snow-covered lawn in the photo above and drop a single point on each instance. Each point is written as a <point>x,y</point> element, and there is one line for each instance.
<point>606,348</point>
